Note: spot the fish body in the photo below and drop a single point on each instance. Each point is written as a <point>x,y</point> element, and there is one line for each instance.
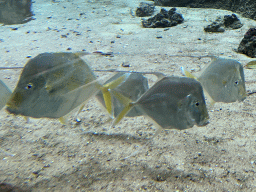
<point>47,83</point>
<point>5,93</point>
<point>224,80</point>
<point>132,87</point>
<point>172,103</point>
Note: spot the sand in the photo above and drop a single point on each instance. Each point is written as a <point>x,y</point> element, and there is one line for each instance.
<point>45,155</point>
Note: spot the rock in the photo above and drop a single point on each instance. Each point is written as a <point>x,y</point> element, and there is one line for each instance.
<point>145,9</point>
<point>164,19</point>
<point>222,23</point>
<point>247,8</point>
<point>232,21</point>
<point>248,44</point>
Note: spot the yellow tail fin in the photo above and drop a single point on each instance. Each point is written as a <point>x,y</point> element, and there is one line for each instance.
<point>106,94</point>
<point>126,102</point>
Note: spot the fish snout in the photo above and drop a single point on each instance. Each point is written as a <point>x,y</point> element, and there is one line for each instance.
<point>14,101</point>
<point>204,122</point>
<point>12,108</point>
<point>204,119</point>
<point>242,93</point>
<point>243,96</point>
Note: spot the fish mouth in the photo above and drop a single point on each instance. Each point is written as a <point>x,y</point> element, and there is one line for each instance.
<point>204,123</point>
<point>243,98</point>
<point>242,93</point>
<point>12,110</point>
<point>14,101</point>
<point>10,106</point>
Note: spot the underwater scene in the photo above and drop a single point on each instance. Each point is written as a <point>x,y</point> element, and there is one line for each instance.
<point>127,95</point>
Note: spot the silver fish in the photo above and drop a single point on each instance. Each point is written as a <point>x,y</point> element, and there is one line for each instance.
<point>5,93</point>
<point>53,84</point>
<point>223,80</point>
<point>173,103</point>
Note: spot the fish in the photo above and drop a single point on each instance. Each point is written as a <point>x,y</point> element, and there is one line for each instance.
<point>172,103</point>
<point>53,84</point>
<point>223,80</point>
<point>251,65</point>
<point>133,86</point>
<point>5,93</point>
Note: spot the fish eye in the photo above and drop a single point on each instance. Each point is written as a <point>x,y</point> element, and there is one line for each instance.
<point>236,82</point>
<point>29,86</point>
<point>197,103</point>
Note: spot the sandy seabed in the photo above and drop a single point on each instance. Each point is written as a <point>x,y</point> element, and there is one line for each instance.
<point>45,155</point>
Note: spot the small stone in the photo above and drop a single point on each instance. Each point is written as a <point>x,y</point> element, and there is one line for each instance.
<point>145,9</point>
<point>125,64</point>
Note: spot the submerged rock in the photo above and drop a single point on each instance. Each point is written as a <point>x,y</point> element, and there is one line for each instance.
<point>248,44</point>
<point>247,8</point>
<point>164,19</point>
<point>145,9</point>
<point>222,23</point>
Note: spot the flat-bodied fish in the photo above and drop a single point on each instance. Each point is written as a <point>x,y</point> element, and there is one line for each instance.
<point>53,84</point>
<point>132,87</point>
<point>223,80</point>
<point>5,93</point>
<point>251,65</point>
<point>172,103</point>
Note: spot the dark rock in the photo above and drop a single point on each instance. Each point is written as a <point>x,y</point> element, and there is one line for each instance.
<point>15,11</point>
<point>214,27</point>
<point>164,19</point>
<point>247,8</point>
<point>228,22</point>
<point>248,44</point>
<point>145,9</point>
<point>231,21</point>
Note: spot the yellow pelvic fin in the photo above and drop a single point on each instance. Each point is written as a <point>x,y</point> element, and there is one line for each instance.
<point>63,120</point>
<point>26,119</point>
<point>80,109</point>
<point>128,106</point>
<point>106,93</point>
<point>188,74</point>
